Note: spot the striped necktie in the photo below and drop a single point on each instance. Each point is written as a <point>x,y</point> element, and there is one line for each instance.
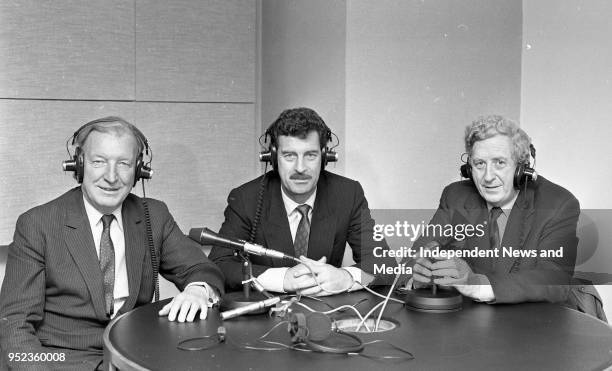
<point>107,262</point>
<point>303,232</point>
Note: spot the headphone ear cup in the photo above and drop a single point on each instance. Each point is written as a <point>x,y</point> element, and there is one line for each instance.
<point>466,171</point>
<point>79,159</point>
<point>523,174</point>
<point>519,176</point>
<point>319,326</point>
<point>312,327</point>
<point>324,157</point>
<point>274,157</point>
<point>297,328</point>
<point>138,173</point>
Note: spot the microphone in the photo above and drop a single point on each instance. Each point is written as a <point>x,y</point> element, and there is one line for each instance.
<point>205,236</point>
<point>249,308</point>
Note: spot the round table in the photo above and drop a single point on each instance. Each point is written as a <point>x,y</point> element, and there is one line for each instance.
<point>529,336</point>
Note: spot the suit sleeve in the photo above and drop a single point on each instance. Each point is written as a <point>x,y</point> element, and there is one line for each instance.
<point>549,278</point>
<point>23,290</point>
<point>237,224</point>
<point>360,236</point>
<point>181,260</point>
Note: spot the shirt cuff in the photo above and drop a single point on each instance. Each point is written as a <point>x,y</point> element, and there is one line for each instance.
<point>356,274</point>
<point>272,279</point>
<point>213,296</point>
<point>482,293</point>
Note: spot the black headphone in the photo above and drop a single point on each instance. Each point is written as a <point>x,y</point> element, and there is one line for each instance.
<point>522,174</point>
<point>77,162</point>
<point>314,329</point>
<point>270,154</point>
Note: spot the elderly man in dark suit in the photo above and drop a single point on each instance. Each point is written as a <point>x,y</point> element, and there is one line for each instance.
<point>529,222</point>
<point>85,257</point>
<point>303,211</point>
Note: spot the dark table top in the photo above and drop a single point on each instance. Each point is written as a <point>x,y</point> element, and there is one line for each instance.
<point>529,336</point>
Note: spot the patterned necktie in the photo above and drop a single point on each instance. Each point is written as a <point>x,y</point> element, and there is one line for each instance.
<point>494,228</point>
<point>107,262</point>
<point>303,232</point>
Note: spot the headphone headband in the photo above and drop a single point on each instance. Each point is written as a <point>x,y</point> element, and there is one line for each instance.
<point>315,329</point>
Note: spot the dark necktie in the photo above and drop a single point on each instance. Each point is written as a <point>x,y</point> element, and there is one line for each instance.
<point>107,262</point>
<point>494,228</point>
<point>301,236</point>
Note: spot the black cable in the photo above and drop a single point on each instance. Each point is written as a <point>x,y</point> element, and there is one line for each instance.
<point>258,209</point>
<point>154,261</point>
<point>203,342</point>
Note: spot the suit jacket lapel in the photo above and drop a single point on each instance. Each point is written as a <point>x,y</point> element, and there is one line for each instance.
<point>80,244</point>
<point>135,247</point>
<point>518,227</point>
<point>277,234</point>
<point>477,213</point>
<point>323,225</point>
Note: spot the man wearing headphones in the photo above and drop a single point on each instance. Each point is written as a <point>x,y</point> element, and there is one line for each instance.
<point>525,221</point>
<point>301,210</point>
<point>85,257</point>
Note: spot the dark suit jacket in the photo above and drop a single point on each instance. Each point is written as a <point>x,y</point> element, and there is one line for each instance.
<point>340,215</point>
<point>544,217</point>
<point>52,294</point>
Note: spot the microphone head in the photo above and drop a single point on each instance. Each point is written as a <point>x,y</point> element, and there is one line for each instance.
<point>205,236</point>
<point>195,234</point>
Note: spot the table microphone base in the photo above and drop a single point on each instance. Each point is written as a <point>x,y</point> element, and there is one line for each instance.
<point>443,301</point>
<point>236,299</point>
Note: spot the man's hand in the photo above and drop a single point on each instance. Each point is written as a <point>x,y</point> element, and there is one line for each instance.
<point>457,273</point>
<point>421,273</point>
<point>332,279</point>
<point>299,278</point>
<point>422,269</point>
<point>450,272</point>
<point>187,304</point>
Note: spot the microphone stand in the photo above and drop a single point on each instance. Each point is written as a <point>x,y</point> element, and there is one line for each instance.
<point>238,299</point>
<point>432,300</point>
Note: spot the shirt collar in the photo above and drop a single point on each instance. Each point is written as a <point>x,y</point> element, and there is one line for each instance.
<point>94,215</point>
<point>508,205</point>
<point>290,205</point>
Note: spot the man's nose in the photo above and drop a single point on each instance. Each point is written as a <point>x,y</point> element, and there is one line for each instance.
<point>111,173</point>
<point>489,174</point>
<point>300,164</point>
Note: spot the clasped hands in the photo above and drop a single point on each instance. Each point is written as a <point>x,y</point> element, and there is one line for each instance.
<point>441,271</point>
<point>331,280</point>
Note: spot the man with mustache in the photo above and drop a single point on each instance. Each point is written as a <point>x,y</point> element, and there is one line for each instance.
<point>526,216</point>
<point>302,210</point>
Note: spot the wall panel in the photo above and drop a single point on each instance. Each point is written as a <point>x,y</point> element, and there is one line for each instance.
<point>417,73</point>
<point>201,151</point>
<point>195,51</point>
<point>67,49</point>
